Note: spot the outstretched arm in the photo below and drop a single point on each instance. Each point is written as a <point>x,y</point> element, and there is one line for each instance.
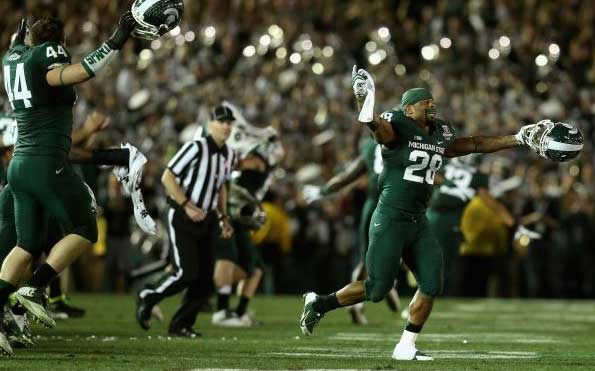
<point>347,176</point>
<point>481,144</point>
<point>96,60</point>
<point>313,193</point>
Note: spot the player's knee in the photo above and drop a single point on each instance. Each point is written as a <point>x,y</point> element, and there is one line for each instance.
<point>377,290</point>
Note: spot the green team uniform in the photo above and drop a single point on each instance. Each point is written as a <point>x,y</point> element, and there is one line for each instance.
<point>239,248</point>
<point>448,201</point>
<point>43,183</point>
<point>399,227</point>
<point>370,153</point>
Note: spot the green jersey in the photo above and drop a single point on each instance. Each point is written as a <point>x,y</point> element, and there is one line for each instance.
<point>461,182</point>
<point>407,178</point>
<point>371,154</point>
<point>43,113</point>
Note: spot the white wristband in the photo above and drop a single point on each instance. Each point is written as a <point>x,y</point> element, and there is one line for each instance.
<point>367,112</point>
<point>98,59</point>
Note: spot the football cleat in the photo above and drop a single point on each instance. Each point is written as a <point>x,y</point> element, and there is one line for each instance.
<point>310,317</point>
<point>184,332</point>
<point>156,17</point>
<point>248,320</point>
<point>227,318</point>
<point>61,309</point>
<point>35,300</point>
<point>19,336</point>
<point>143,313</point>
<point>408,352</point>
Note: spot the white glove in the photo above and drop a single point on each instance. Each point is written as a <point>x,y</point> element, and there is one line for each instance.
<point>131,178</point>
<point>362,83</point>
<point>358,83</point>
<point>312,193</point>
<point>523,231</point>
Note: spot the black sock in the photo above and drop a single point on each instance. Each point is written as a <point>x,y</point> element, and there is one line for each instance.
<point>6,289</point>
<point>111,156</point>
<point>413,327</point>
<point>55,289</point>
<point>222,301</point>
<point>242,305</point>
<point>43,276</point>
<point>326,303</point>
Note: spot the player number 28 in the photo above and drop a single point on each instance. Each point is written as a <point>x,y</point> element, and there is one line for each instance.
<point>434,164</point>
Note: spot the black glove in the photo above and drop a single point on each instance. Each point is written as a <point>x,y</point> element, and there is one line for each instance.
<point>122,33</point>
<point>21,33</point>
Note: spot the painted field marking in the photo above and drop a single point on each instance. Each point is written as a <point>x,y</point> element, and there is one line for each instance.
<point>479,337</point>
<point>437,354</point>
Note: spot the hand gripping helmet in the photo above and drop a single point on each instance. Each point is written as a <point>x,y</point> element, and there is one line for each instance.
<point>556,141</point>
<point>155,18</point>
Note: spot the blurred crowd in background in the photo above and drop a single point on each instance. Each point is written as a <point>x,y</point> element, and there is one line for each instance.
<point>491,65</point>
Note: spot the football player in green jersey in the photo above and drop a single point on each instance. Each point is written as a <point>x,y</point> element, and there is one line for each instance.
<point>462,181</point>
<point>38,79</point>
<point>369,163</point>
<point>414,143</point>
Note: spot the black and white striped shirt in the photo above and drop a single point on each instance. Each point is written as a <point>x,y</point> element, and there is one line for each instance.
<point>201,168</point>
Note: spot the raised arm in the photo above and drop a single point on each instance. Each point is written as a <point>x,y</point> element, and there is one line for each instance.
<point>381,129</point>
<point>364,91</point>
<point>481,144</point>
<point>77,73</point>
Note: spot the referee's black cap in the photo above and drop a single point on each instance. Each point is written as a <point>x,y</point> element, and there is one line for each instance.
<point>222,113</point>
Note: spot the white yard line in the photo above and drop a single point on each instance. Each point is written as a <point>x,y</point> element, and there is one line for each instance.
<point>479,337</point>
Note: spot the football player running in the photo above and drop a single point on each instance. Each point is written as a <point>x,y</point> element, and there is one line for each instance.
<point>369,163</point>
<point>414,143</point>
<point>38,80</point>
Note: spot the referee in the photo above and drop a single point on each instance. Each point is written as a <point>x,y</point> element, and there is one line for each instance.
<point>195,182</point>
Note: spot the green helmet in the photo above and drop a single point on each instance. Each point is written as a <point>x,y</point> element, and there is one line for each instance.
<point>155,18</point>
<point>556,141</point>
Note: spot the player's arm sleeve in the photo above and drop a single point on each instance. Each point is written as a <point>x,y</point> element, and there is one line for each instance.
<point>182,159</point>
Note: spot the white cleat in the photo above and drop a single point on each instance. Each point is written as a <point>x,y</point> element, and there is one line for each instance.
<point>226,318</point>
<point>408,352</point>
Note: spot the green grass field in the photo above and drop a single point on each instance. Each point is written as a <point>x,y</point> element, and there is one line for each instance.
<point>461,335</point>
